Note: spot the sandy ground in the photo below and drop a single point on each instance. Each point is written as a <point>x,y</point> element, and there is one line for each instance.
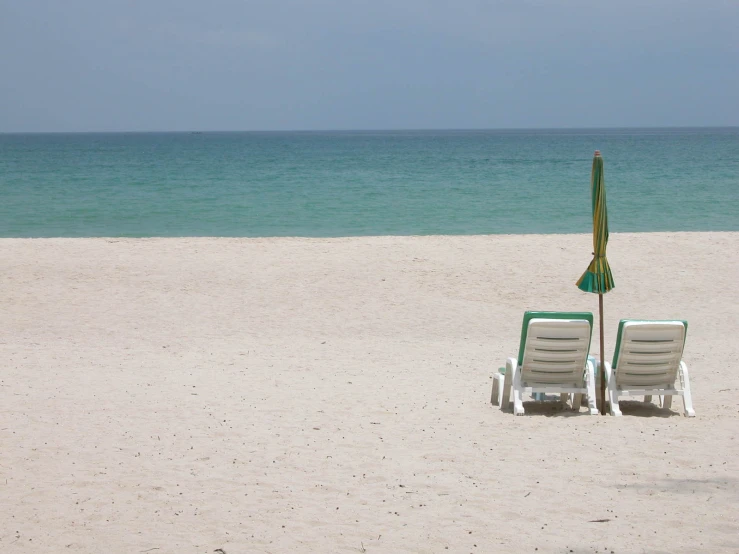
<point>332,395</point>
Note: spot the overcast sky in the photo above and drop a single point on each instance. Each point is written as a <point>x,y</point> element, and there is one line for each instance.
<point>110,65</point>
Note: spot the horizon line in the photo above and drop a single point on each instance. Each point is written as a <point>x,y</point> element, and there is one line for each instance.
<point>397,130</point>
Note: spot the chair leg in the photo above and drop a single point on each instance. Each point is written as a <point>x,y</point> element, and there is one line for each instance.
<point>687,396</point>
<point>615,408</point>
<point>667,402</point>
<point>576,401</point>
<point>495,396</point>
<point>517,392</point>
<point>510,367</point>
<point>590,386</point>
<point>648,398</point>
<point>613,391</point>
<point>564,397</point>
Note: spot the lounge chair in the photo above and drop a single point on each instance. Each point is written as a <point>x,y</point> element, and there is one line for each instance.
<point>552,358</point>
<point>648,361</point>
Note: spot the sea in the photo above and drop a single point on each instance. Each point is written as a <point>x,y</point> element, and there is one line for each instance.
<point>364,183</point>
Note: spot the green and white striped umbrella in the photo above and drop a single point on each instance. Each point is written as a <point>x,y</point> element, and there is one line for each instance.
<point>598,278</point>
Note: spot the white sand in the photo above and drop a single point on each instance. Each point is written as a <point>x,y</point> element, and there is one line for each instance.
<point>300,395</point>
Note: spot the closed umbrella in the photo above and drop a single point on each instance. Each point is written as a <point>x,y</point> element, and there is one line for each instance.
<point>598,278</point>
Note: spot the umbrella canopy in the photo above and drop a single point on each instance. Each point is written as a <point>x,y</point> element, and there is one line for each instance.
<point>597,278</point>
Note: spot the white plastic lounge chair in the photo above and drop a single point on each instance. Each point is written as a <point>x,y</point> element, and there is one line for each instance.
<point>552,358</point>
<point>648,361</point>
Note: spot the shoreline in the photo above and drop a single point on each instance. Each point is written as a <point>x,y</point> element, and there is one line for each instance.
<point>284,394</point>
<point>361,237</point>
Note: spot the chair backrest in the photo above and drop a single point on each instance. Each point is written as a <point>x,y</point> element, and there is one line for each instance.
<point>648,353</point>
<point>554,349</point>
<point>529,315</point>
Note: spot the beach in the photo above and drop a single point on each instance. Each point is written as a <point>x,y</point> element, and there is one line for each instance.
<point>197,395</point>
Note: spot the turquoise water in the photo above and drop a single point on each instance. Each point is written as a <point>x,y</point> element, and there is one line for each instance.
<point>364,183</point>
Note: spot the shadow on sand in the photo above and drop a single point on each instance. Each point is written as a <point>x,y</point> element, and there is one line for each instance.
<point>648,409</point>
<point>552,406</point>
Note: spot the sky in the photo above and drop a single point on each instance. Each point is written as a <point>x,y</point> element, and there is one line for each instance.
<point>241,65</point>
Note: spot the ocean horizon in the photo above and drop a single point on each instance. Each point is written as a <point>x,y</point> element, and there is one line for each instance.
<point>628,129</point>
<point>365,182</point>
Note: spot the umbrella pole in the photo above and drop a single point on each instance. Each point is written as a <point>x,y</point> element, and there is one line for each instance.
<point>602,368</point>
